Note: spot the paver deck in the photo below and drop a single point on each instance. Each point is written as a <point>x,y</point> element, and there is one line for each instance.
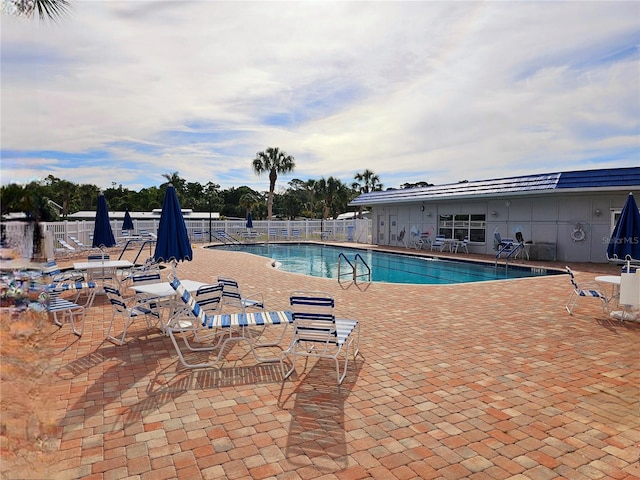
<point>489,380</point>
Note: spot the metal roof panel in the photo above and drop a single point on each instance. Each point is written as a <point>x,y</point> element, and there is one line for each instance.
<point>604,178</point>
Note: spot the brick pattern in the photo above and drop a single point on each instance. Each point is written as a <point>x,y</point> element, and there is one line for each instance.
<point>488,380</point>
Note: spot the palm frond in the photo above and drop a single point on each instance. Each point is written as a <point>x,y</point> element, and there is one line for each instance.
<point>46,9</point>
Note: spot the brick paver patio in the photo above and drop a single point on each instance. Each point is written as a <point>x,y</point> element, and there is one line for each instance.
<point>490,380</point>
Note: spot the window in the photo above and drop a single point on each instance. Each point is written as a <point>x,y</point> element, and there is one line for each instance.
<point>463,225</point>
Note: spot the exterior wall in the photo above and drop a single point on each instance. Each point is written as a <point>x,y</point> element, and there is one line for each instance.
<point>546,219</point>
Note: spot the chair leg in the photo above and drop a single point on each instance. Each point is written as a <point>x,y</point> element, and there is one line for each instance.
<point>80,312</point>
<point>119,341</point>
<point>571,302</point>
<point>289,352</point>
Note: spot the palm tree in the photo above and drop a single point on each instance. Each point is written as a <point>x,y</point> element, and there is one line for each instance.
<point>51,9</point>
<point>274,161</point>
<point>327,190</point>
<point>249,201</point>
<point>177,182</point>
<point>367,181</point>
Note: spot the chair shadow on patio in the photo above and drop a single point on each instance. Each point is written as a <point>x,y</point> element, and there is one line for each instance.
<point>316,432</point>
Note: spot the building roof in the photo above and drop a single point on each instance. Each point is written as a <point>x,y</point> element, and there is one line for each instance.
<point>585,180</point>
<point>187,213</point>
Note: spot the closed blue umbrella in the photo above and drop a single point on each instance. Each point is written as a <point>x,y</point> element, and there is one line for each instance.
<point>173,243</point>
<point>625,240</point>
<point>249,220</point>
<point>128,223</point>
<point>102,233</point>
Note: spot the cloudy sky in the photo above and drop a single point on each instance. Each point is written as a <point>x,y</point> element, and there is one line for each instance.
<point>416,91</point>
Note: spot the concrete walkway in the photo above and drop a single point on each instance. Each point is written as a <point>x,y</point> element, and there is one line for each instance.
<point>490,380</point>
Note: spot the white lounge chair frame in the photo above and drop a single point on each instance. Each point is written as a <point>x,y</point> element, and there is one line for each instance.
<point>234,327</point>
<point>56,305</point>
<point>584,290</point>
<point>128,309</point>
<point>317,333</point>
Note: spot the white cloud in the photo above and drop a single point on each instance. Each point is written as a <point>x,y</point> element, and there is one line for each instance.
<point>442,91</point>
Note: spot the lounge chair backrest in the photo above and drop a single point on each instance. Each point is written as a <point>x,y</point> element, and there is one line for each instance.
<point>572,278</point>
<point>209,298</point>
<point>51,269</point>
<point>115,298</point>
<point>52,273</point>
<point>231,295</point>
<point>97,257</point>
<point>231,291</point>
<point>188,299</point>
<point>146,277</point>
<point>313,316</point>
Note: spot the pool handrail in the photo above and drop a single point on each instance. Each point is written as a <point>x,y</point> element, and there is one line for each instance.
<point>355,269</point>
<point>342,256</point>
<point>357,259</point>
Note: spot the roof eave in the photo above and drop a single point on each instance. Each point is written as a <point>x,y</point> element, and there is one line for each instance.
<point>523,193</point>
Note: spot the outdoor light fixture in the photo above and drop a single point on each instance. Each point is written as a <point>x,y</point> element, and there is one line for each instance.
<point>507,203</point>
<point>494,213</point>
<point>597,212</point>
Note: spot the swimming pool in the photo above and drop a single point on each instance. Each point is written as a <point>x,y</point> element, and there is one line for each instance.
<point>322,261</point>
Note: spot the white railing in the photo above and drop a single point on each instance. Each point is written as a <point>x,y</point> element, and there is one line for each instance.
<point>263,230</point>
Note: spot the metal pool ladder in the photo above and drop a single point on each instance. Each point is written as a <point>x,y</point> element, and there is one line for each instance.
<point>353,269</point>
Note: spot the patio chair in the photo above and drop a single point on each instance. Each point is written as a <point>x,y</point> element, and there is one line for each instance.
<point>582,290</point>
<point>209,299</point>
<point>317,333</point>
<point>66,246</point>
<point>423,240</point>
<point>524,247</point>
<point>146,277</point>
<point>62,309</point>
<point>438,243</point>
<point>295,234</point>
<point>148,266</point>
<point>233,326</point>
<point>504,245</point>
<point>231,296</point>
<point>104,274</point>
<point>80,245</point>
<point>284,233</point>
<point>52,273</point>
<point>463,245</point>
<point>128,310</point>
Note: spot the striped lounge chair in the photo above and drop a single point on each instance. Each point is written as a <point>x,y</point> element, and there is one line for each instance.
<point>234,327</point>
<point>318,333</point>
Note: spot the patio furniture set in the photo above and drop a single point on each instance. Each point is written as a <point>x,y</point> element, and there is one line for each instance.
<point>203,319</point>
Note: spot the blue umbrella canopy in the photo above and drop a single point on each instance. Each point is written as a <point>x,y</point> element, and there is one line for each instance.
<point>249,220</point>
<point>128,223</point>
<point>625,240</point>
<point>102,233</point>
<point>173,240</point>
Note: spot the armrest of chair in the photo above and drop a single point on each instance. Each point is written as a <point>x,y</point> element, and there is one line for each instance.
<point>255,300</point>
<point>592,285</point>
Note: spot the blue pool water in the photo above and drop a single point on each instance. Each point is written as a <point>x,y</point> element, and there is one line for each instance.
<point>322,261</point>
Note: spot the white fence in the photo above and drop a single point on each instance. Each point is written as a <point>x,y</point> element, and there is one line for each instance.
<point>352,230</point>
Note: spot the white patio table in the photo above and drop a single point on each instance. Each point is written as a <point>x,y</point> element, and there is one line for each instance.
<point>165,290</point>
<point>103,269</point>
<point>614,281</point>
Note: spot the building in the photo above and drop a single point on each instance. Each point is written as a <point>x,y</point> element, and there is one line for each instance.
<point>187,213</point>
<point>569,216</point>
